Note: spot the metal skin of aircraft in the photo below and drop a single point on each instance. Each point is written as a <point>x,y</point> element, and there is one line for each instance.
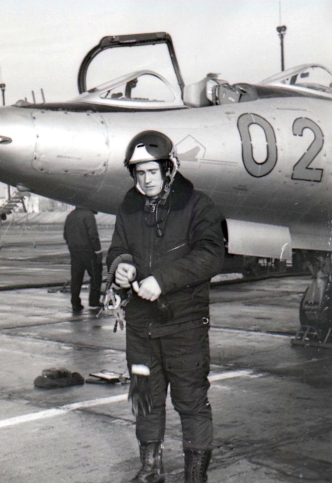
<point>261,152</point>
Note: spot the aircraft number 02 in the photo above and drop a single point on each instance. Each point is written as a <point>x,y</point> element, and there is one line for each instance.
<point>301,169</point>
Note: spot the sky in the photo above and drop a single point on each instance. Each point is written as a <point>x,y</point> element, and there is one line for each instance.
<point>42,42</point>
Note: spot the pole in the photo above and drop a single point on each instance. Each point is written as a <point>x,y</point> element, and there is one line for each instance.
<point>282,32</point>
<point>3,87</point>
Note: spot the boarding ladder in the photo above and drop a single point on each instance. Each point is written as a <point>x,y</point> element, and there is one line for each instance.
<point>16,198</point>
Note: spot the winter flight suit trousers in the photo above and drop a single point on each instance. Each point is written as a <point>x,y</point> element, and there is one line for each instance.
<point>181,361</point>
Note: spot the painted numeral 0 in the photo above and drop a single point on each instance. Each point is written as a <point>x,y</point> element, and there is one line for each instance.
<point>252,166</point>
<point>301,169</point>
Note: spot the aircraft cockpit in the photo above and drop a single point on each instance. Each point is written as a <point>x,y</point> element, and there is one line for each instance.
<point>144,88</point>
<point>138,90</point>
<point>155,82</point>
<point>310,78</point>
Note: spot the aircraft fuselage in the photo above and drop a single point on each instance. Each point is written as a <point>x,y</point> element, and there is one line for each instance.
<point>266,161</point>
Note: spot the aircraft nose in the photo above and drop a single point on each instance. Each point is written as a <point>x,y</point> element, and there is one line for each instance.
<point>5,140</point>
<point>17,142</point>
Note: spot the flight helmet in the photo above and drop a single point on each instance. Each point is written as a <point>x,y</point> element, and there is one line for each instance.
<point>152,146</point>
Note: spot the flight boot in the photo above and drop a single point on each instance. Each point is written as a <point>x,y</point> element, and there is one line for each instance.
<point>152,470</point>
<point>196,463</point>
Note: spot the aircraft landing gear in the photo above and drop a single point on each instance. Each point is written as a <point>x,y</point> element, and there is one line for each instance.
<point>316,305</point>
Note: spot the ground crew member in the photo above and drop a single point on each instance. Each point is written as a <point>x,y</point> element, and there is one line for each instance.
<point>82,238</point>
<point>173,234</point>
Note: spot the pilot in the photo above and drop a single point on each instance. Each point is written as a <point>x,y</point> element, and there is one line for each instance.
<point>173,235</point>
<point>82,237</point>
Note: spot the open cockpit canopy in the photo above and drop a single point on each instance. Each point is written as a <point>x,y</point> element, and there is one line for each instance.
<point>143,67</point>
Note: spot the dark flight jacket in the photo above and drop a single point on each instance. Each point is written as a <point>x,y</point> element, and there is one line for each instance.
<point>183,260</point>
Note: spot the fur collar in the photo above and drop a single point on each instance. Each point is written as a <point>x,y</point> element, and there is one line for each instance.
<point>181,190</point>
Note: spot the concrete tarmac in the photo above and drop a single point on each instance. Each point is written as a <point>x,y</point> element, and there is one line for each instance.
<point>270,400</point>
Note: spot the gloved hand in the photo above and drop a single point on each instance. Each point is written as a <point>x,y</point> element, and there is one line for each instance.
<point>148,289</point>
<point>125,273</point>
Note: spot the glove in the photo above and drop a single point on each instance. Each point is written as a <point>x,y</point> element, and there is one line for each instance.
<point>125,273</point>
<point>139,390</point>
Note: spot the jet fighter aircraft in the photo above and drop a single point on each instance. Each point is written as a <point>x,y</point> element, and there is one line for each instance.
<point>261,152</point>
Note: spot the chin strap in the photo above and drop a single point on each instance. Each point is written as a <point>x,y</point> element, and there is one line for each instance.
<point>176,165</point>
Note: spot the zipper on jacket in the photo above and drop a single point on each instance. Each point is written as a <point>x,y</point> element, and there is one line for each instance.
<point>179,246</point>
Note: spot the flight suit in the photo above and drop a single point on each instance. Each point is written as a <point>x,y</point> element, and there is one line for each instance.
<point>170,335</point>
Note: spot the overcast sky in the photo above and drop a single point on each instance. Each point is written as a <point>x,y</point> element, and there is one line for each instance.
<point>44,41</point>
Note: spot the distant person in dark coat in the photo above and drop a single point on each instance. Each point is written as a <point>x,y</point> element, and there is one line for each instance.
<point>82,237</point>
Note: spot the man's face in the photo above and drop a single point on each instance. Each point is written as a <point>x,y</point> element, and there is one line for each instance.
<point>149,178</point>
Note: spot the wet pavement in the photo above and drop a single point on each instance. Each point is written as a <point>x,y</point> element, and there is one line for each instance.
<point>270,400</point>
